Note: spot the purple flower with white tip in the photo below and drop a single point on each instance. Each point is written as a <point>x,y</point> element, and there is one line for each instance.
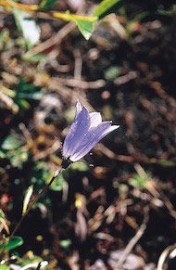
<point>85,132</point>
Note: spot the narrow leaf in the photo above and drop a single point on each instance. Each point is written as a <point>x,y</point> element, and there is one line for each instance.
<point>27,197</point>
<point>105,7</point>
<point>3,221</point>
<point>44,4</point>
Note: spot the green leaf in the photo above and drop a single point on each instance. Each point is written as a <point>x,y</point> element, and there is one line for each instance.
<point>35,264</point>
<point>79,166</point>
<point>3,221</point>
<point>2,215</point>
<point>11,143</point>
<point>18,157</point>
<point>85,27</point>
<point>26,91</point>
<point>40,174</point>
<point>4,38</point>
<point>2,154</point>
<point>139,181</point>
<point>106,7</point>
<point>112,72</point>
<point>22,103</point>
<point>44,4</point>
<point>58,183</point>
<point>4,267</point>
<point>34,58</point>
<point>65,243</point>
<point>15,242</point>
<point>166,163</point>
<point>27,26</point>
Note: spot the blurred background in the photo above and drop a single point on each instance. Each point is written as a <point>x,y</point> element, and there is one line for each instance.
<point>115,209</point>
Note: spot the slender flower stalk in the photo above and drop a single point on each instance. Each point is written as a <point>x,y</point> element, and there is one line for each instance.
<point>85,132</point>
<point>36,199</point>
<point>33,202</point>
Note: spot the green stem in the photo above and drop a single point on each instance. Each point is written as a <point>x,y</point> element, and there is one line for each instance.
<point>35,200</point>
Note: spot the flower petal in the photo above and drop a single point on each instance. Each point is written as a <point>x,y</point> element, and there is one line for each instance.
<point>93,136</point>
<point>78,107</point>
<point>95,119</point>
<point>76,132</point>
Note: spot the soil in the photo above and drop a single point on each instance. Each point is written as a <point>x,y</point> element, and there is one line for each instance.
<point>120,212</point>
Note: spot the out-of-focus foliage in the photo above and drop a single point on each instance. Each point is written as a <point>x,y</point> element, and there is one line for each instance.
<point>31,30</point>
<point>14,242</point>
<point>106,6</point>
<point>5,267</point>
<point>126,71</point>
<point>139,181</point>
<point>12,149</point>
<point>25,92</point>
<point>46,3</point>
<point>28,26</point>
<point>3,222</point>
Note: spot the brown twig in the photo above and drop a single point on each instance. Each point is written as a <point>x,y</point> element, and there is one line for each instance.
<point>84,85</point>
<point>78,64</point>
<point>130,159</point>
<point>135,239</point>
<point>57,39</point>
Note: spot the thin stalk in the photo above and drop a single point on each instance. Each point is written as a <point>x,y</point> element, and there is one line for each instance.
<point>53,14</point>
<point>35,200</point>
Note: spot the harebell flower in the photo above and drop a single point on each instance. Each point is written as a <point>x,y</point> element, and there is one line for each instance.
<point>85,132</point>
